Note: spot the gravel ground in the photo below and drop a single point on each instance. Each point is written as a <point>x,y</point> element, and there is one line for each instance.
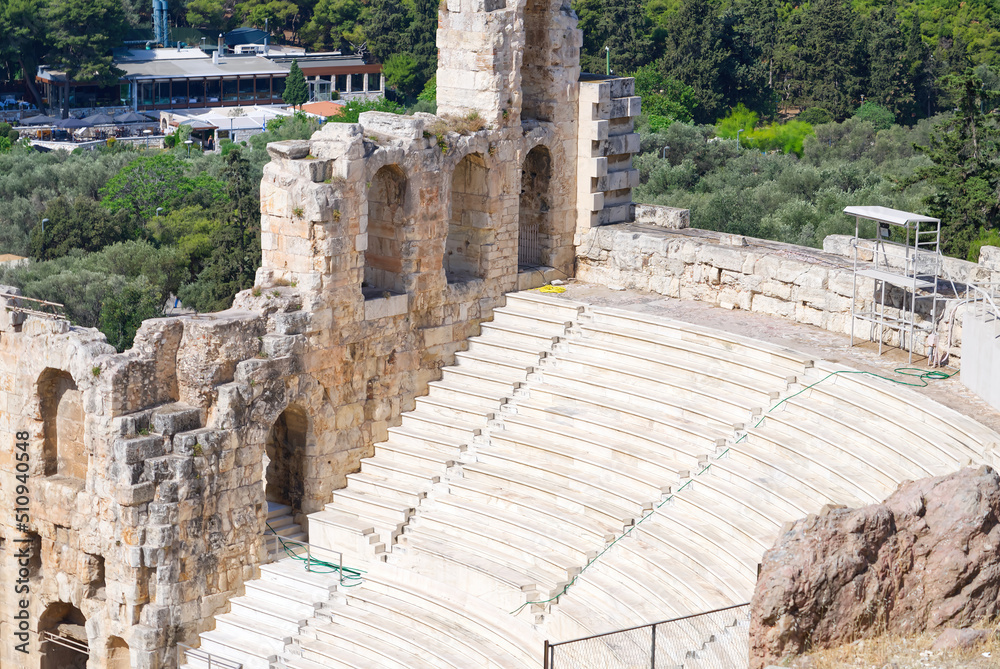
<point>903,653</point>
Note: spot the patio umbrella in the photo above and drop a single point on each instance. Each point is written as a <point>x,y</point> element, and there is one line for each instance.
<point>131,117</point>
<point>99,119</point>
<point>71,123</point>
<point>39,120</point>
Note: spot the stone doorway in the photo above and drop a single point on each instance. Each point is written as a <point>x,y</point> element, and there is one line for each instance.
<point>63,450</point>
<point>469,228</point>
<point>284,459</point>
<point>534,227</point>
<point>118,654</point>
<point>386,234</point>
<point>63,638</point>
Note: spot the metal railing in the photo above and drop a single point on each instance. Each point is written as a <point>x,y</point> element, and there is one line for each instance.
<point>65,642</point>
<point>214,661</point>
<point>311,555</point>
<point>982,295</point>
<point>718,639</point>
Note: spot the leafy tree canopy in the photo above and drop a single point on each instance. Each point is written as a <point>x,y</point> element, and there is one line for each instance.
<point>78,224</point>
<point>149,182</point>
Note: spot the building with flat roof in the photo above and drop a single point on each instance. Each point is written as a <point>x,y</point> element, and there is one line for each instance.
<point>182,78</point>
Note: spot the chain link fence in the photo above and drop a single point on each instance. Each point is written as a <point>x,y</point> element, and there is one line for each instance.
<point>712,640</point>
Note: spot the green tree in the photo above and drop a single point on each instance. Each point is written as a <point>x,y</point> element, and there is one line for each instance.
<point>296,92</point>
<point>694,54</point>
<point>24,30</point>
<point>236,243</point>
<point>919,71</point>
<point>205,13</point>
<point>822,66</point>
<point>423,39</point>
<point>965,170</point>
<point>880,117</point>
<point>149,182</point>
<point>591,13</point>
<point>125,308</point>
<point>81,36</point>
<point>663,100</point>
<point>627,33</point>
<point>887,73</point>
<point>331,21</point>
<point>386,29</point>
<point>274,14</point>
<point>744,75</point>
<point>400,71</point>
<point>78,224</point>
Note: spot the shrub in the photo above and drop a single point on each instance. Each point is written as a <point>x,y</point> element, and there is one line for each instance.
<point>815,116</point>
<point>987,237</point>
<point>880,117</point>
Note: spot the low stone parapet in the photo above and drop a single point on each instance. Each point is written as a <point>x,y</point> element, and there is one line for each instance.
<point>736,272</point>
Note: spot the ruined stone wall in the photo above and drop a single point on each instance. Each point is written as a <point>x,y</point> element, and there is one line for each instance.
<point>735,272</point>
<point>385,243</point>
<point>141,473</point>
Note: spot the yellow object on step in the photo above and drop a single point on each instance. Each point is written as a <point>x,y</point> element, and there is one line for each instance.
<point>552,289</point>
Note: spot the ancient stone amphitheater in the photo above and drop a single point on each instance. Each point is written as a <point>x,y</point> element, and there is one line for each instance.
<point>494,468</point>
<point>562,428</point>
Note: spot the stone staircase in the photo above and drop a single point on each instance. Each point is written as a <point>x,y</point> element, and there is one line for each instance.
<point>565,432</point>
<point>280,522</point>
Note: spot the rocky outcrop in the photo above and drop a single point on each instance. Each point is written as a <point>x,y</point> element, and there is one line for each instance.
<point>926,558</point>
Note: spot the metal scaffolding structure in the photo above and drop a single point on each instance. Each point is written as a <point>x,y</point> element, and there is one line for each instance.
<point>912,264</point>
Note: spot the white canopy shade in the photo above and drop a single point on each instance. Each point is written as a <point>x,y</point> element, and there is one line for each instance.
<point>887,215</point>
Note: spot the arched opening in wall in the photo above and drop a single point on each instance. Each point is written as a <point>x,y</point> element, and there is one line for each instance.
<point>537,80</point>
<point>63,638</point>
<point>469,227</point>
<point>284,461</point>
<point>386,231</point>
<point>118,654</point>
<point>534,230</point>
<point>63,450</point>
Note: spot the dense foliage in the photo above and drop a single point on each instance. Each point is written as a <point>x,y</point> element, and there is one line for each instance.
<point>766,54</point>
<point>124,230</point>
<point>777,195</point>
<point>777,56</point>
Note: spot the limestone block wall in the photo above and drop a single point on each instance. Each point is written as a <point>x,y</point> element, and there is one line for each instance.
<point>455,209</point>
<point>735,272</point>
<point>140,476</point>
<point>606,144</point>
<point>508,60</point>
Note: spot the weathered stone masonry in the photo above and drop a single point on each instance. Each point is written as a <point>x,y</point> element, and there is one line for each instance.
<point>385,244</point>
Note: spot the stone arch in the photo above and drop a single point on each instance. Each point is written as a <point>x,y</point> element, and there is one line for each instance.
<point>119,656</point>
<point>69,624</point>
<point>63,449</point>
<point>469,224</point>
<point>386,233</point>
<point>284,458</point>
<point>534,234</point>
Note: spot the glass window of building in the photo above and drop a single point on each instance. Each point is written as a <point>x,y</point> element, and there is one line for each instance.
<point>229,90</point>
<point>213,90</point>
<point>246,89</point>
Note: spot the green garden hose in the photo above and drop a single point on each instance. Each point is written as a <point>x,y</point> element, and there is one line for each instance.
<point>348,577</point>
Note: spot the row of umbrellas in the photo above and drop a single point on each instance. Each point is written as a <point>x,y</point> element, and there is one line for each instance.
<point>87,122</point>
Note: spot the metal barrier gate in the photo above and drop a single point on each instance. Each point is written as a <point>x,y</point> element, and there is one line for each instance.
<point>718,639</point>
